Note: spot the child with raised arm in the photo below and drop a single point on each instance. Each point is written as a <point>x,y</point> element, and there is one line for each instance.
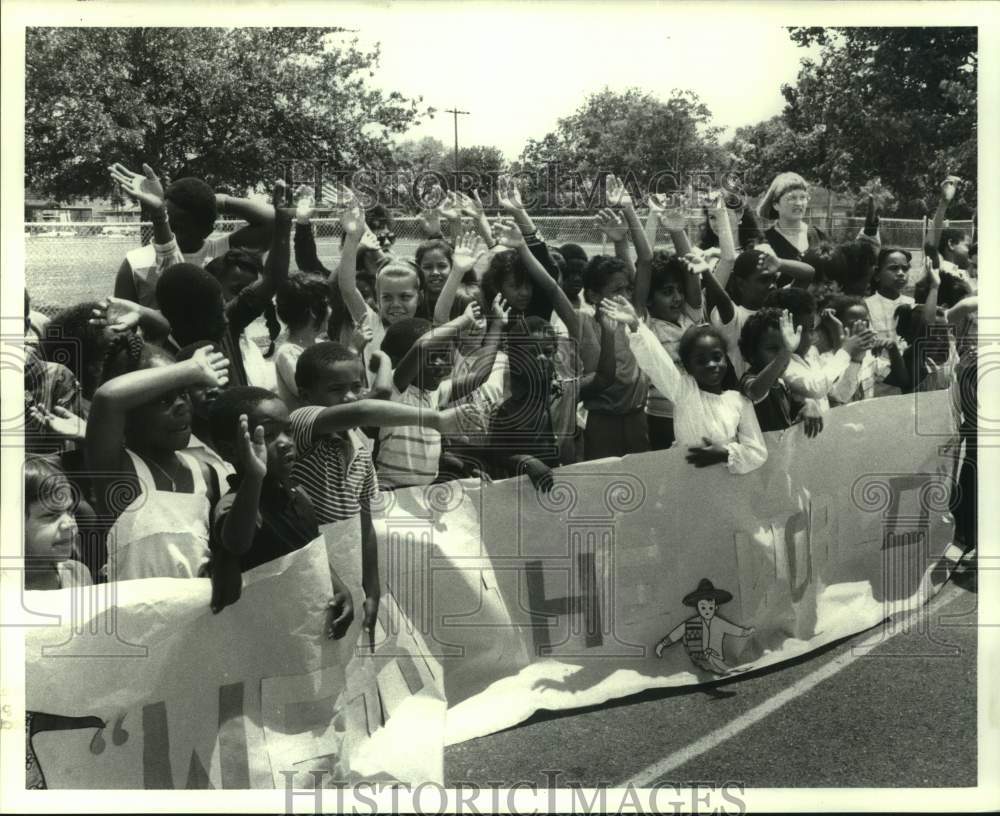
<point>421,359</point>
<point>616,422</point>
<point>807,376</point>
<point>140,424</point>
<point>192,208</point>
<point>263,516</point>
<point>768,341</point>
<point>397,284</point>
<point>668,297</point>
<point>718,424</point>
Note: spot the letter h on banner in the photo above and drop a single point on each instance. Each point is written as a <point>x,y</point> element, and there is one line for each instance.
<point>583,617</point>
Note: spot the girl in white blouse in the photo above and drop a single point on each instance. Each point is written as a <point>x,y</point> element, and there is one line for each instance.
<point>717,424</point>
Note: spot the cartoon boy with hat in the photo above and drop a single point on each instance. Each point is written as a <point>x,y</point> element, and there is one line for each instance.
<point>703,633</point>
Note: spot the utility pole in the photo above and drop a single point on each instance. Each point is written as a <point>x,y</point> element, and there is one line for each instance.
<point>456,113</point>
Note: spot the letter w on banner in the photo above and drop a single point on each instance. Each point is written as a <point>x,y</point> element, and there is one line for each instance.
<point>248,698</point>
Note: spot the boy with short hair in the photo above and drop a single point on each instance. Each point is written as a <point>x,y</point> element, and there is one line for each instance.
<point>334,466</point>
<point>263,516</point>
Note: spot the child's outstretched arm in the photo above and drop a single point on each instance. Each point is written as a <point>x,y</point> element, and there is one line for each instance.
<point>649,352</point>
<point>718,220</point>
<point>603,376</point>
<point>104,449</point>
<point>384,414</point>
<point>473,207</point>
<point>249,304</point>
<point>352,219</point>
<point>510,237</point>
<point>801,273</point>
<point>759,386</point>
<point>468,250</point>
<point>717,298</point>
<point>121,315</point>
<point>406,372</point>
<point>948,188</point>
<point>513,206</point>
<point>616,230</point>
<point>259,217</point>
<point>306,256</point>
<point>674,222</point>
<point>147,190</point>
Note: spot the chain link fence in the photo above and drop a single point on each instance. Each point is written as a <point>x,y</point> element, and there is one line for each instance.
<point>71,262</point>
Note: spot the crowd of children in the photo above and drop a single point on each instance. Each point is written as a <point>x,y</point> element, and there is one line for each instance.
<point>490,354</point>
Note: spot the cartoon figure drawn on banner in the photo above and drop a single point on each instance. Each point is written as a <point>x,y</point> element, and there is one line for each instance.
<point>703,633</point>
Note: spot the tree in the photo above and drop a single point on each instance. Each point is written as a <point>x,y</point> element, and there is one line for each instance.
<point>225,105</point>
<point>892,103</point>
<point>631,134</point>
<point>480,159</point>
<point>761,151</point>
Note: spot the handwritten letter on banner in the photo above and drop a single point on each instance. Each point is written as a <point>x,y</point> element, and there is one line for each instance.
<point>630,574</point>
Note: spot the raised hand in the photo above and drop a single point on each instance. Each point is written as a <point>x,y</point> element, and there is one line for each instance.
<point>279,199</point>
<point>672,220</point>
<point>790,336</point>
<point>352,219</point>
<point>60,421</point>
<point>470,206</point>
<point>617,195</point>
<point>949,186</point>
<point>834,326</point>
<point>932,272</point>
<point>212,367</point>
<point>473,314</point>
<point>305,201</point>
<point>430,221</point>
<point>468,249</point>
<point>621,311</point>
<point>252,451</point>
<point>508,234</point>
<point>696,263</point>
<point>611,224</point>
<point>362,336</point>
<point>499,309</point>
<point>145,188</point>
<point>861,339</point>
<point>116,314</point>
<point>509,195</point>
<point>451,207</point>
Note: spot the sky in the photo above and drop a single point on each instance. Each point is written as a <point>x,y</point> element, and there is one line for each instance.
<point>518,68</point>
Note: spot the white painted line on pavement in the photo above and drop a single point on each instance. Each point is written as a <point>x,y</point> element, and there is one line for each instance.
<point>648,776</point>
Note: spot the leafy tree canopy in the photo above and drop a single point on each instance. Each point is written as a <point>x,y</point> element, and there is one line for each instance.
<point>225,105</point>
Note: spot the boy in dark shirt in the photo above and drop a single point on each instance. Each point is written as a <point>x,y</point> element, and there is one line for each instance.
<point>263,516</point>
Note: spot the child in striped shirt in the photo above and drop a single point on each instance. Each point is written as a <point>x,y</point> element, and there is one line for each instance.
<point>421,359</point>
<point>333,465</point>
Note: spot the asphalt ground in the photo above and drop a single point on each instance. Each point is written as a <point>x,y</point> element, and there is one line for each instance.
<point>901,713</point>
